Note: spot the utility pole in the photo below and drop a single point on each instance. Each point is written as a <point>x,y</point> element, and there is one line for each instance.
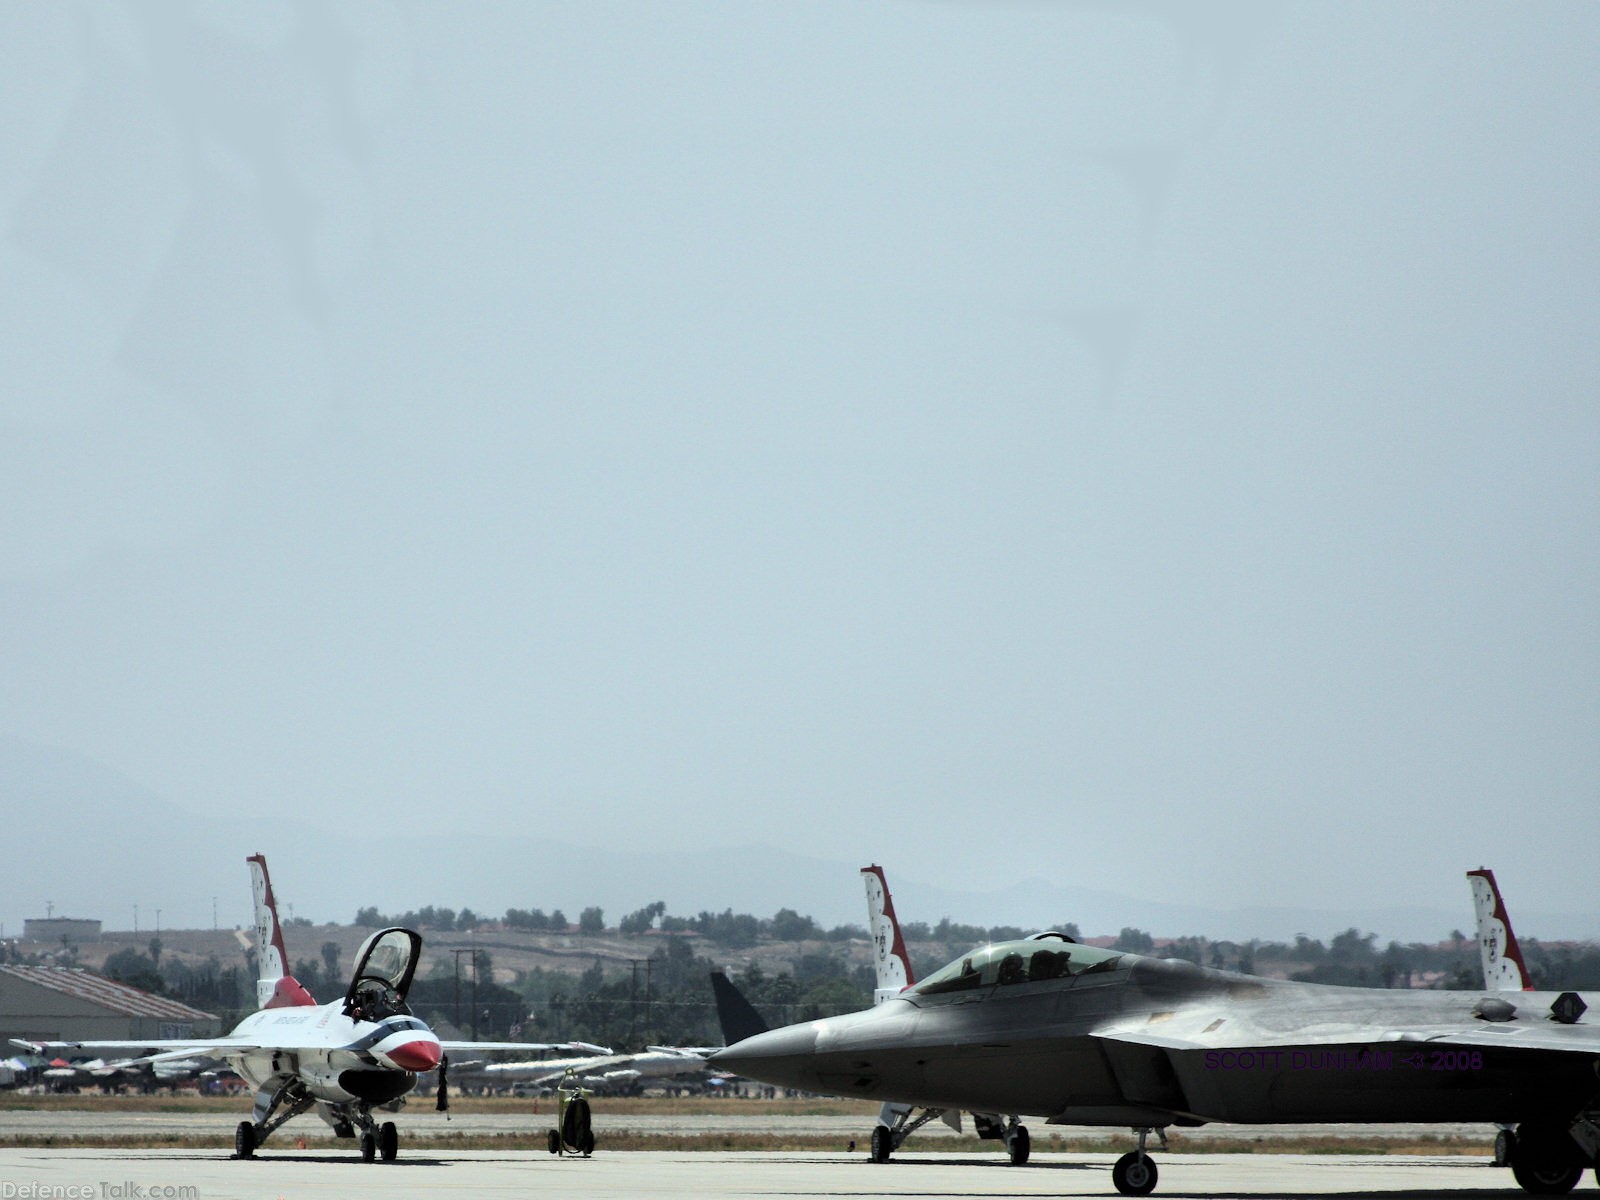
<point>458,953</point>
<point>633,1000</point>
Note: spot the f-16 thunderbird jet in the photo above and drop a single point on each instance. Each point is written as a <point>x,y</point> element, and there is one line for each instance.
<point>1079,1035</point>
<point>344,1059</point>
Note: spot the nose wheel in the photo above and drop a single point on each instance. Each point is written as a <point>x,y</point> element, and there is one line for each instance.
<point>1135,1172</point>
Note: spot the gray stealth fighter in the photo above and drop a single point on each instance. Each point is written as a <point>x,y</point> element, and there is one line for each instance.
<point>1083,1036</point>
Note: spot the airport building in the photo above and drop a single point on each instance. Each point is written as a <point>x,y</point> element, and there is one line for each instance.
<point>75,931</point>
<point>71,1004</point>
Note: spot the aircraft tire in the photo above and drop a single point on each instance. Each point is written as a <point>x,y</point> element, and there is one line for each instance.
<point>882,1143</point>
<point>388,1141</point>
<point>244,1140</point>
<point>1019,1146</point>
<point>1545,1161</point>
<point>369,1147</point>
<point>1546,1179</point>
<point>586,1143</point>
<point>1505,1148</point>
<point>553,1142</point>
<point>1135,1174</point>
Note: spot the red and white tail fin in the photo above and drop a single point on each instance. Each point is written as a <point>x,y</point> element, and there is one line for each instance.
<point>275,987</point>
<point>1503,969</point>
<point>892,961</point>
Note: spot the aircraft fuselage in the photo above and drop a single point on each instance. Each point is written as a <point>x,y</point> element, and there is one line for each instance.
<point>337,1059</point>
<point>1162,1042</point>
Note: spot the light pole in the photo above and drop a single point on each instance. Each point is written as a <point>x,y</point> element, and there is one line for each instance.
<point>458,953</point>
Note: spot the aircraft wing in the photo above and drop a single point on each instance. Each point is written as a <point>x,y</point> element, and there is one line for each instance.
<point>1533,1032</point>
<point>166,1049</point>
<point>524,1047</point>
<point>188,1046</point>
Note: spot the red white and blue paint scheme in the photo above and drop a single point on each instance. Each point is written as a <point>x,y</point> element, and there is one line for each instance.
<point>1503,968</point>
<point>345,1059</point>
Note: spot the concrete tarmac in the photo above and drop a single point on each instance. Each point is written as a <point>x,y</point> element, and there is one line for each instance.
<point>420,1119</point>
<point>289,1174</point>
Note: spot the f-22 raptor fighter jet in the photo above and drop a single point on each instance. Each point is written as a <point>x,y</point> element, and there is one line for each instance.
<point>1079,1035</point>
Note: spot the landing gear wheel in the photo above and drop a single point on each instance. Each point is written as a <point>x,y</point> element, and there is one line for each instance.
<point>1546,1179</point>
<point>1019,1145</point>
<point>1505,1146</point>
<point>1134,1174</point>
<point>369,1147</point>
<point>882,1143</point>
<point>553,1142</point>
<point>388,1141</point>
<point>244,1140</point>
<point>586,1143</point>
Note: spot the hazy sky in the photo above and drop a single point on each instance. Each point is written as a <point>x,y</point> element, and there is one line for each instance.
<point>1154,451</point>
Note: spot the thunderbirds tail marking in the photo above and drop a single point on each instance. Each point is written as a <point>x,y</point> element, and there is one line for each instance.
<point>275,987</point>
<point>1503,969</point>
<point>891,958</point>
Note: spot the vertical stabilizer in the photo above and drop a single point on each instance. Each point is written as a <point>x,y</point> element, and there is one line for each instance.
<point>736,1015</point>
<point>275,987</point>
<point>1503,969</point>
<point>889,948</point>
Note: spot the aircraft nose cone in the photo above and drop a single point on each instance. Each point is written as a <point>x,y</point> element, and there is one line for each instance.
<point>415,1056</point>
<point>784,1056</point>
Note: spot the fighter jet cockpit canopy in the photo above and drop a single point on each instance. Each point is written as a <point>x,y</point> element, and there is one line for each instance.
<point>1029,960</point>
<point>384,966</point>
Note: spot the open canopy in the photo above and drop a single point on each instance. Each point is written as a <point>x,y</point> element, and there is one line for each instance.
<point>384,966</point>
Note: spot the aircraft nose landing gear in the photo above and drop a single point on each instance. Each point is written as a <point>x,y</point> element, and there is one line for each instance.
<point>1135,1172</point>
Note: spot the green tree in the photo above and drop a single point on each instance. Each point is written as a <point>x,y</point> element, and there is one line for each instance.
<point>789,926</point>
<point>135,969</point>
<point>1135,941</point>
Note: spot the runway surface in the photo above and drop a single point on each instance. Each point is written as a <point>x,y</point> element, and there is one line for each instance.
<point>421,1120</point>
<point>294,1175</point>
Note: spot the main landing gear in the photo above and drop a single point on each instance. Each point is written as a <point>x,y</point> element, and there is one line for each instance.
<point>290,1095</point>
<point>1018,1144</point>
<point>1547,1159</point>
<point>1135,1172</point>
<point>886,1138</point>
<point>377,1141</point>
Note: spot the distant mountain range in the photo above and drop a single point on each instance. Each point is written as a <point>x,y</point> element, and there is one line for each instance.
<point>101,843</point>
